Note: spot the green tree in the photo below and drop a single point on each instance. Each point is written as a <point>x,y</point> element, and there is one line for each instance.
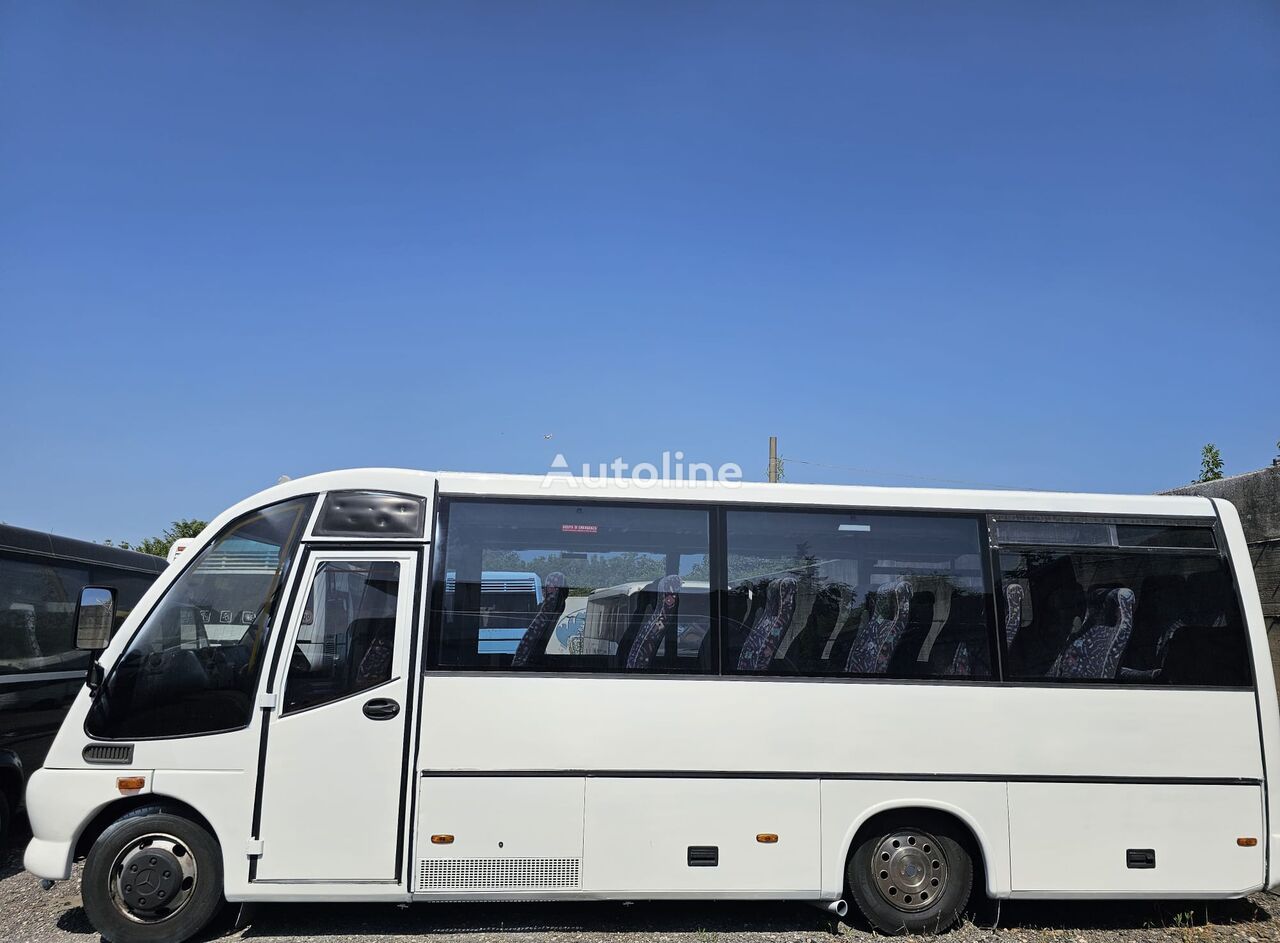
<point>1210,463</point>
<point>159,546</point>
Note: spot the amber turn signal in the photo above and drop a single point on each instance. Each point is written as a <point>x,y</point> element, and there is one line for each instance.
<point>1246,842</point>
<point>442,839</point>
<point>767,838</point>
<point>128,784</point>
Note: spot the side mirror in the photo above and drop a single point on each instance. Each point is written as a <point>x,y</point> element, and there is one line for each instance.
<point>95,614</point>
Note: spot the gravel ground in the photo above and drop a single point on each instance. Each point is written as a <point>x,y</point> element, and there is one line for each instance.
<point>30,915</point>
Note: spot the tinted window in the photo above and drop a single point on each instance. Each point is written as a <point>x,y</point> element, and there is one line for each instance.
<point>37,611</point>
<point>856,594</point>
<point>552,586</point>
<point>1122,616</point>
<point>192,667</point>
<point>347,637</point>
<point>1068,533</point>
<point>371,514</point>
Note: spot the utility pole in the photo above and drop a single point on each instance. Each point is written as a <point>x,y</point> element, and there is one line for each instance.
<point>773,458</point>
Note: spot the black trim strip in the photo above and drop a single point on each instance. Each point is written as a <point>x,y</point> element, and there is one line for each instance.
<point>890,777</point>
<point>364,882</point>
<point>414,721</point>
<point>298,570</point>
<point>1023,547</point>
<point>410,713</point>
<point>992,587</point>
<point>823,679</point>
<point>719,601</point>
<point>356,544</point>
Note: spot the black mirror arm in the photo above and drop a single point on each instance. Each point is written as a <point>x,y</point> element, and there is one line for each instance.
<point>93,680</point>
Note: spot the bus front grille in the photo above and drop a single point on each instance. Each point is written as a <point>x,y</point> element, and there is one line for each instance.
<point>449,874</point>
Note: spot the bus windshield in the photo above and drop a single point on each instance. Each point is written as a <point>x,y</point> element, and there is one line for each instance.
<point>192,666</point>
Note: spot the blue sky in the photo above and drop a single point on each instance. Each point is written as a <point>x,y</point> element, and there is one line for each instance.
<point>1008,243</point>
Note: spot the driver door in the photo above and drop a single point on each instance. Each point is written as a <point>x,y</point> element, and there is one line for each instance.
<point>335,749</point>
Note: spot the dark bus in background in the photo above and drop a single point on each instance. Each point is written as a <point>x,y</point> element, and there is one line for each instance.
<point>41,576</point>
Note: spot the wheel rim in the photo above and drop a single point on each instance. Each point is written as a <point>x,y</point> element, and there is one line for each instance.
<point>153,878</point>
<point>909,869</point>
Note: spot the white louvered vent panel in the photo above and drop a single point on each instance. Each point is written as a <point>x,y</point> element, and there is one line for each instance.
<point>440,874</point>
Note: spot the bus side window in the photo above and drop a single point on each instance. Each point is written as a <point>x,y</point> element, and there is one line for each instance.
<point>554,586</point>
<point>1122,616</point>
<point>860,594</point>
<point>345,644</point>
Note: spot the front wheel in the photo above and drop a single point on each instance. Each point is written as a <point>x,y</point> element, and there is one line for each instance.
<point>152,877</point>
<point>911,875</point>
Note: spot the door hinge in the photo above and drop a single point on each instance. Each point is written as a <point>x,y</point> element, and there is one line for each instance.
<point>266,702</point>
<point>253,848</point>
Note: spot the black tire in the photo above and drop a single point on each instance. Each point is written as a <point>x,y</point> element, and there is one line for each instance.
<point>911,873</point>
<point>6,817</point>
<point>143,830</point>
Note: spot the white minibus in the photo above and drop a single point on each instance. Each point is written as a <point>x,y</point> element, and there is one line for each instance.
<point>897,697</point>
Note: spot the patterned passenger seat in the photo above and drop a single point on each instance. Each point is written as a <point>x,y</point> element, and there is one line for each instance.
<point>1014,595</point>
<point>1094,652</point>
<point>878,638</point>
<point>533,644</point>
<point>773,620</point>
<point>651,633</point>
<point>962,648</point>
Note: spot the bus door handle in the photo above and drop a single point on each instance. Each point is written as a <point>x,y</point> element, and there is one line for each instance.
<point>381,708</point>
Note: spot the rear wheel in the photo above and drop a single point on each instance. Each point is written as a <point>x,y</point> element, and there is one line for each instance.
<point>911,874</point>
<point>152,877</point>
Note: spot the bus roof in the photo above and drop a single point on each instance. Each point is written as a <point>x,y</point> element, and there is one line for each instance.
<point>69,548</point>
<point>754,493</point>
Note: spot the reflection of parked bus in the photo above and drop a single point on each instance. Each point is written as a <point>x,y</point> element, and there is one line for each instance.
<point>610,614</point>
<point>238,562</point>
<point>41,576</point>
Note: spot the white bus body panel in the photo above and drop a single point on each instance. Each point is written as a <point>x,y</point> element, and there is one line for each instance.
<point>638,832</point>
<point>1070,840</point>
<point>1264,671</point>
<point>846,742</point>
<point>495,722</point>
<point>504,832</point>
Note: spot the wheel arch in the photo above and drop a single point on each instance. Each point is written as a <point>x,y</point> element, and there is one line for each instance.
<point>119,808</point>
<point>994,878</point>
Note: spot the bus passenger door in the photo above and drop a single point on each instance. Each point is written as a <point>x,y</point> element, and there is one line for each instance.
<point>333,785</point>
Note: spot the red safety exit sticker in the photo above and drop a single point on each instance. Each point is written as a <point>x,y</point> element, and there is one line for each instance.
<point>579,528</point>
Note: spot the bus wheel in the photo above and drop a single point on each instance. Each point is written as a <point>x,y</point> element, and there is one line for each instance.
<point>152,877</point>
<point>911,874</point>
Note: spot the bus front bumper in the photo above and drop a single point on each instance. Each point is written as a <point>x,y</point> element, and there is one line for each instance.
<point>50,860</point>
<point>60,803</point>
